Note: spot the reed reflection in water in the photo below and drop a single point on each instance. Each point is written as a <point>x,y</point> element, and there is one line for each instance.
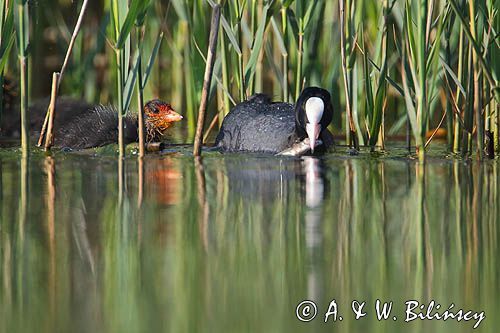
<point>231,243</point>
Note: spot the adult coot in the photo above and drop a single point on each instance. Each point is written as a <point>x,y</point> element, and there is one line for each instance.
<point>79,125</point>
<point>260,125</point>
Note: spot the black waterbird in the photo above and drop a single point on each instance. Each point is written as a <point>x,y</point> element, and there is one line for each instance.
<point>260,125</point>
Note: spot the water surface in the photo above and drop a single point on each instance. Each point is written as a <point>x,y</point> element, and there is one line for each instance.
<point>233,243</point>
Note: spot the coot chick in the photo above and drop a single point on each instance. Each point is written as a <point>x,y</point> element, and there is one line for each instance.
<point>79,125</point>
<point>260,125</point>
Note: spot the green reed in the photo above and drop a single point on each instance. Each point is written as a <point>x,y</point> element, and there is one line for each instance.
<point>122,52</point>
<point>23,41</point>
<point>376,99</point>
<point>348,59</point>
<point>142,76</point>
<point>124,17</point>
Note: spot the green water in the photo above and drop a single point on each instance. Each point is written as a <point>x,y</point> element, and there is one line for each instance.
<point>234,243</point>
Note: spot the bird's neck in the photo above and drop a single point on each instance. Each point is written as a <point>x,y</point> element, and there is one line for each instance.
<point>131,122</point>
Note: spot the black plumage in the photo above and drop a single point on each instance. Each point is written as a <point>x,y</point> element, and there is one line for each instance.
<point>80,125</point>
<point>259,125</point>
<point>77,124</point>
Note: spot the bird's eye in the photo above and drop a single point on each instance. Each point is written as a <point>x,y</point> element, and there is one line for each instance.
<point>155,110</point>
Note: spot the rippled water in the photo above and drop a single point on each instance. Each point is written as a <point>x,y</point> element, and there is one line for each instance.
<point>233,243</point>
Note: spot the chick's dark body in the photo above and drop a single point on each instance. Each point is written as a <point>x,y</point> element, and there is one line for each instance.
<point>77,124</point>
<point>80,125</point>
<point>96,127</point>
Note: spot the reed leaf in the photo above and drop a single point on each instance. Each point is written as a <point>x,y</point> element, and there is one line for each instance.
<point>257,46</point>
<point>306,19</point>
<point>179,9</point>
<point>452,74</point>
<point>128,89</point>
<point>152,58</point>
<point>137,8</point>
<point>376,122</point>
<point>367,81</point>
<point>230,35</point>
<point>141,16</point>
<point>7,32</point>
<point>279,38</point>
<point>5,52</point>
<point>410,106</point>
<point>7,17</point>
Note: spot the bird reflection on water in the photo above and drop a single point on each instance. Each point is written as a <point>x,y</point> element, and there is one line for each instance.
<point>315,195</point>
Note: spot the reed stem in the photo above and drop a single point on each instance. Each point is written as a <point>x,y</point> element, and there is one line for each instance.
<point>140,94</point>
<point>284,24</point>
<point>351,136</point>
<point>49,138</point>
<point>23,53</point>
<point>476,88</point>
<point>225,78</point>
<point>422,107</point>
<point>23,71</point>
<point>120,61</point>
<point>457,128</point>
<point>48,125</point>
<point>212,49</point>
<point>300,53</point>
<point>241,66</point>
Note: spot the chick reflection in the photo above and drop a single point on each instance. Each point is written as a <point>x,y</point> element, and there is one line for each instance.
<point>164,177</point>
<point>314,188</point>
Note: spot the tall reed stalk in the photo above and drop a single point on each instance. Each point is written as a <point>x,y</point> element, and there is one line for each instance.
<point>284,53</point>
<point>124,18</point>
<point>421,58</point>
<point>140,94</point>
<point>300,50</point>
<point>376,101</point>
<point>457,101</point>
<point>237,17</point>
<point>119,9</point>
<point>476,87</point>
<point>23,39</point>
<point>140,27</point>
<point>225,77</point>
<point>419,73</point>
<point>48,124</point>
<point>346,50</point>
<point>212,48</point>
